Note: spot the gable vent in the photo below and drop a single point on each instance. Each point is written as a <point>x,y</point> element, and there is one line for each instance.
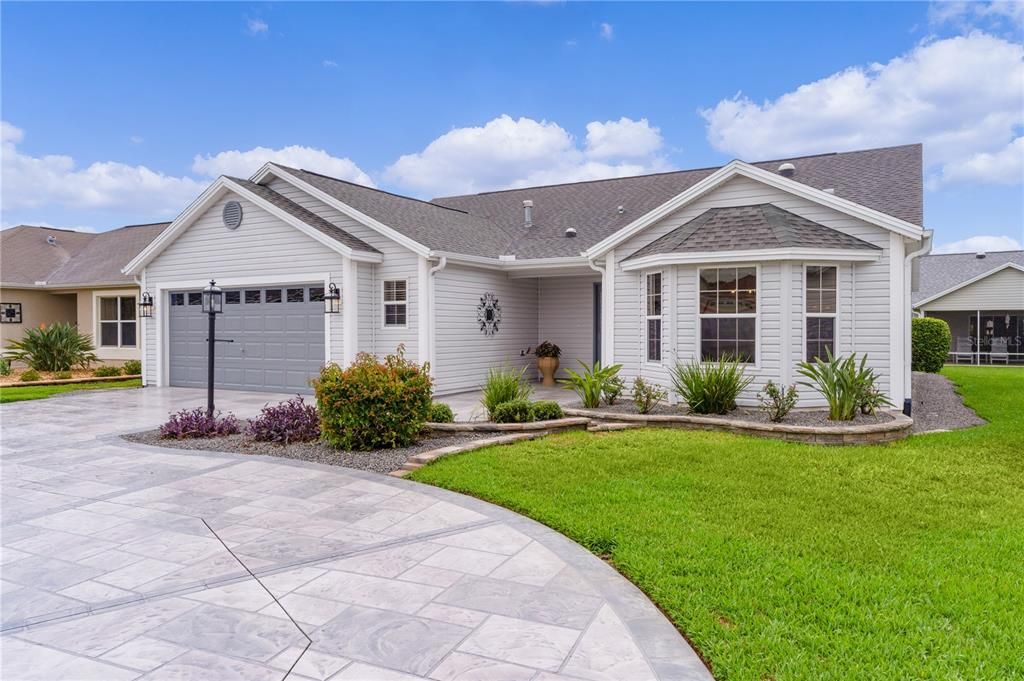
<point>232,214</point>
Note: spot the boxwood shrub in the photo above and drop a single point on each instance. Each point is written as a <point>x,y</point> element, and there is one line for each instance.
<point>514,411</point>
<point>30,375</point>
<point>132,367</point>
<point>546,410</point>
<point>106,370</point>
<point>441,413</point>
<point>373,404</point>
<point>930,342</point>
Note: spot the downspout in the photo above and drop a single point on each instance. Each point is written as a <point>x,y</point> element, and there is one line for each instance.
<point>442,263</point>
<point>604,310</point>
<point>908,259</point>
<point>143,327</point>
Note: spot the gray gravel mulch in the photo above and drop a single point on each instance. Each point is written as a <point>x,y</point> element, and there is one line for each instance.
<point>378,461</point>
<point>937,405</point>
<point>797,417</point>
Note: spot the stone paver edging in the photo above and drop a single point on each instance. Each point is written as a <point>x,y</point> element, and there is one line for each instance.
<point>579,422</point>
<point>872,433</point>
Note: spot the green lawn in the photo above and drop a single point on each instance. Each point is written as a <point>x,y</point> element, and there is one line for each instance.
<point>38,392</point>
<point>783,561</point>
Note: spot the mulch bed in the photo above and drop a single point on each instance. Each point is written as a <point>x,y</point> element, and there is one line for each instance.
<point>797,417</point>
<point>377,461</point>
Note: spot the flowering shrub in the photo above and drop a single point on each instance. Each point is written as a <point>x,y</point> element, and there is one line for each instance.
<point>777,401</point>
<point>190,423</point>
<point>373,404</point>
<point>291,421</point>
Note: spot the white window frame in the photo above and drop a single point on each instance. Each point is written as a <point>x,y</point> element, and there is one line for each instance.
<point>644,298</point>
<point>384,304</point>
<point>807,315</point>
<point>756,315</point>
<point>100,321</point>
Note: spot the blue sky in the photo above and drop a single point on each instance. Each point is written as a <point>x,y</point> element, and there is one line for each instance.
<point>120,113</point>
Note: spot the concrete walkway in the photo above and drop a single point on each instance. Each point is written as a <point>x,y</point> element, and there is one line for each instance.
<point>122,561</point>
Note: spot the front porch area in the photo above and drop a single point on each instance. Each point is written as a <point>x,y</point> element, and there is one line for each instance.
<point>984,336</point>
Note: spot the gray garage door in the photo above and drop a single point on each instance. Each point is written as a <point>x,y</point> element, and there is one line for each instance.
<point>277,335</point>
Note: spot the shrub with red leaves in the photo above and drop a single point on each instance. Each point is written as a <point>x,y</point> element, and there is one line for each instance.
<point>191,423</point>
<point>291,421</point>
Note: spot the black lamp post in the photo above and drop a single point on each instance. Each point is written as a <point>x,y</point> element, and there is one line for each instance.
<point>146,306</point>
<point>213,305</point>
<point>332,300</point>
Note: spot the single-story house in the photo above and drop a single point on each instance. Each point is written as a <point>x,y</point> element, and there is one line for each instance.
<point>981,296</point>
<point>60,275</point>
<point>773,262</point>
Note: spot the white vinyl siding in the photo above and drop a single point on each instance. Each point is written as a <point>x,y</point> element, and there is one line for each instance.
<point>399,263</point>
<point>262,247</point>
<point>464,353</point>
<point>864,296</point>
<point>1003,290</point>
<point>566,318</point>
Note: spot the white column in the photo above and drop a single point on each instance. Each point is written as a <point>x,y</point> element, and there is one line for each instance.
<point>608,310</point>
<point>423,307</point>
<point>350,309</point>
<point>786,323</point>
<point>977,337</point>
<point>897,323</point>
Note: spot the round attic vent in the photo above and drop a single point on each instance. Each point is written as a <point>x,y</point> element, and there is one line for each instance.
<point>232,214</point>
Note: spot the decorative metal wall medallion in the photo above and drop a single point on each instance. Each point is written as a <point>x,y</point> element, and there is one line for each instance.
<point>10,313</point>
<point>488,314</point>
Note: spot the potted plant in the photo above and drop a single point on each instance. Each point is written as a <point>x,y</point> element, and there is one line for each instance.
<point>547,361</point>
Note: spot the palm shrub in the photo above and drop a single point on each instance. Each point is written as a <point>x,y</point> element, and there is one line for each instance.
<point>504,384</point>
<point>57,347</point>
<point>710,387</point>
<point>930,340</point>
<point>646,396</point>
<point>847,386</point>
<point>591,384</point>
<point>373,404</point>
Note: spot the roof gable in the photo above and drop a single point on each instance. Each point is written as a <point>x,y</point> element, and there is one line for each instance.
<point>945,272</point>
<point>967,282</point>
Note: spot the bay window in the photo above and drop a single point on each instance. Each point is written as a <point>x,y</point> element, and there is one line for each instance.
<point>727,307</point>
<point>653,310</point>
<point>820,292</point>
<point>117,322</point>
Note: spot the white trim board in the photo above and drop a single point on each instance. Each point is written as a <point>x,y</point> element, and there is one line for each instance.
<point>972,280</point>
<point>752,256</point>
<point>741,169</point>
<point>221,186</point>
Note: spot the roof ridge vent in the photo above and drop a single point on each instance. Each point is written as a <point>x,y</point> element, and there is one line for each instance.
<point>570,233</point>
<point>787,169</point>
<point>51,239</point>
<point>528,213</point>
<point>980,255</point>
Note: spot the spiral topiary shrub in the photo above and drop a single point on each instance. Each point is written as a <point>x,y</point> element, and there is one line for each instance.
<point>930,340</point>
<point>373,404</point>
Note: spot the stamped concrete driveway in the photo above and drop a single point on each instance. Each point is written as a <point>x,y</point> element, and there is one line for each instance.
<point>122,561</point>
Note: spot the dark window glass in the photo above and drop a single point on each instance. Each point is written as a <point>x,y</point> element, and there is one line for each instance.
<point>252,297</point>
<point>728,337</point>
<point>128,334</point>
<point>296,295</point>
<point>654,295</point>
<point>653,340</point>
<point>108,334</point>
<point>272,295</point>
<point>177,299</point>
<point>128,309</point>
<point>108,309</point>
<point>821,289</point>
<point>316,294</point>
<point>195,298</point>
<point>395,303</point>
<point>394,315</point>
<point>232,297</point>
<point>820,337</point>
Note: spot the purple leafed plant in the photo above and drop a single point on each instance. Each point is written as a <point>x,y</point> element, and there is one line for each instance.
<point>291,421</point>
<point>190,423</point>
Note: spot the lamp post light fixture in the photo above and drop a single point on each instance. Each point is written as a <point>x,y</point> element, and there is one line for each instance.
<point>332,300</point>
<point>146,306</point>
<point>213,304</point>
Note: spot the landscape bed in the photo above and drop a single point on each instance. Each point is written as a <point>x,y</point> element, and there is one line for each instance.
<point>792,561</point>
<point>20,392</point>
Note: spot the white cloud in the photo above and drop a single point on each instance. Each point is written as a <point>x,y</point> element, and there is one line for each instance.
<point>977,244</point>
<point>37,181</point>
<point>245,163</point>
<point>329,64</point>
<point>962,97</point>
<point>506,152</point>
<point>607,31</point>
<point>624,138</point>
<point>1005,166</point>
<point>967,14</point>
<point>256,27</point>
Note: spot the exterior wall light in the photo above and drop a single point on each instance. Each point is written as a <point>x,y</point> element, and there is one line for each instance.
<point>146,306</point>
<point>213,299</point>
<point>332,300</point>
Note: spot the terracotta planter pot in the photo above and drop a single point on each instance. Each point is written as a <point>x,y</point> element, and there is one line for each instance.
<point>548,366</point>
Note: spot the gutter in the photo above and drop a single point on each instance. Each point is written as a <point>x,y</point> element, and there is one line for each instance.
<point>432,324</point>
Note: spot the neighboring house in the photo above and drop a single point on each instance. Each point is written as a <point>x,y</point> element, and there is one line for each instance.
<point>52,275</point>
<point>773,261</point>
<point>972,292</point>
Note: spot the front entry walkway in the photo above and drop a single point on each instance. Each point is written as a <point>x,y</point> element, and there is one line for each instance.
<point>122,561</point>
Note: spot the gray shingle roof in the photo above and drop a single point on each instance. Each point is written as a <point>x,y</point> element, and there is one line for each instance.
<point>305,215</point>
<point>938,273</point>
<point>76,259</point>
<point>434,226</point>
<point>749,227</point>
<point>888,180</point>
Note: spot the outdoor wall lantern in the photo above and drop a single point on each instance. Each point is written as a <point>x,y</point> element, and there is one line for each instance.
<point>332,300</point>
<point>146,306</point>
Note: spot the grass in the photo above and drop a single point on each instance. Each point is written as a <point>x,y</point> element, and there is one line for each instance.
<point>38,392</point>
<point>784,561</point>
